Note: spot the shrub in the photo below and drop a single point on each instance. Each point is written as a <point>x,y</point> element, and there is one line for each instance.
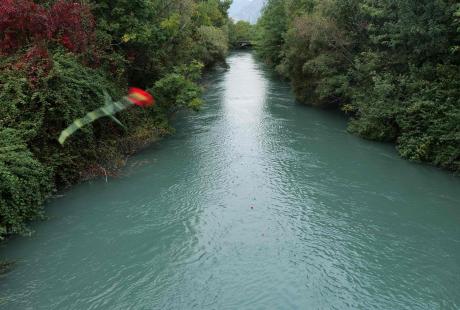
<point>393,66</point>
<point>24,183</point>
<point>69,91</point>
<point>179,89</point>
<point>57,57</point>
<point>213,45</point>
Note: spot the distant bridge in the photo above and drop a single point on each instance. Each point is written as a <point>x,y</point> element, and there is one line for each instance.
<point>244,44</point>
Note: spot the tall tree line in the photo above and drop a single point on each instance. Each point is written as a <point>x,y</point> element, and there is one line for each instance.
<point>392,66</point>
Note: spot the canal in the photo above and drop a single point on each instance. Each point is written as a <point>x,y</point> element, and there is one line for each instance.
<point>256,202</point>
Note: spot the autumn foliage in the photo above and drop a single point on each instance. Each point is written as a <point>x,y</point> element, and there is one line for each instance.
<point>25,24</point>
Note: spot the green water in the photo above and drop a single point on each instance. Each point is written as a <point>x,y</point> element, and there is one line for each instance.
<point>256,203</point>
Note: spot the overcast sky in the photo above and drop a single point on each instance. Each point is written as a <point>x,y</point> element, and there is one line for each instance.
<point>248,10</point>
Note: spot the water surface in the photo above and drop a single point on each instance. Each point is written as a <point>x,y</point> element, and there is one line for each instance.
<point>256,203</point>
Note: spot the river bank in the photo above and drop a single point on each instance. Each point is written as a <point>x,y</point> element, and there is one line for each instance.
<point>255,202</point>
<point>61,69</point>
<point>374,63</point>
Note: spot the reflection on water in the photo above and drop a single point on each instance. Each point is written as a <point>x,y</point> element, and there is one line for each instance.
<point>256,203</point>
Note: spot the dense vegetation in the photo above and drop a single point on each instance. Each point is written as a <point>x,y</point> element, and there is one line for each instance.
<point>393,66</point>
<point>241,31</point>
<point>56,60</point>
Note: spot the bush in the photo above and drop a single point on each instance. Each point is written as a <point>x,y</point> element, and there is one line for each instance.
<point>42,111</point>
<point>430,125</point>
<point>24,183</point>
<point>57,59</point>
<point>179,89</point>
<point>241,31</point>
<point>316,52</point>
<point>213,44</point>
<point>392,66</point>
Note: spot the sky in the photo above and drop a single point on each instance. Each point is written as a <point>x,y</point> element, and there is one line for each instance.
<point>248,10</point>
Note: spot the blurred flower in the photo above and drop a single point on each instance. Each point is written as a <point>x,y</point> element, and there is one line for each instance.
<point>140,97</point>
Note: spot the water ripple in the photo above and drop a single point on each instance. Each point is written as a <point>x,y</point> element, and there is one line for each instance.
<point>255,203</point>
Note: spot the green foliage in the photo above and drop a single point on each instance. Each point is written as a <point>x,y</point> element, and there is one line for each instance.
<point>392,66</point>
<point>316,51</point>
<point>179,89</point>
<point>156,44</point>
<point>213,44</point>
<point>40,112</point>
<point>241,31</point>
<point>24,183</point>
<point>430,122</point>
<point>154,36</point>
<point>271,28</point>
<point>213,12</point>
